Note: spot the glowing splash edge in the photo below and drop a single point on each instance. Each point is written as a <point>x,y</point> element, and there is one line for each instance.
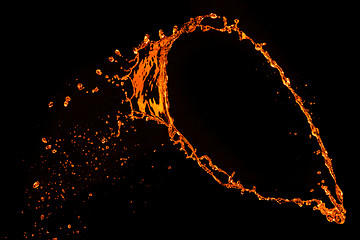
<point>148,73</point>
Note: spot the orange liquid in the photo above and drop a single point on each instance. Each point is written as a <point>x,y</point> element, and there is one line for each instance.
<point>149,72</point>
<point>143,83</point>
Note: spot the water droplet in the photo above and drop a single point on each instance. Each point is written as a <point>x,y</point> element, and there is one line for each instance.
<point>80,86</point>
<point>191,28</point>
<point>273,64</point>
<point>117,52</point>
<point>205,28</point>
<point>213,15</point>
<point>243,36</point>
<point>146,38</point>
<point>36,184</point>
<point>286,81</point>
<point>175,29</point>
<point>95,90</point>
<point>161,34</point>
<point>135,50</point>
<point>67,100</point>
<point>258,46</point>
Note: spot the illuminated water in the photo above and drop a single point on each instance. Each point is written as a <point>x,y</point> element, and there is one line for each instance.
<point>96,142</point>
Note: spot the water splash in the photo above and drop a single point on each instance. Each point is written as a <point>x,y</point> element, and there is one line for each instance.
<point>148,75</point>
<point>142,86</point>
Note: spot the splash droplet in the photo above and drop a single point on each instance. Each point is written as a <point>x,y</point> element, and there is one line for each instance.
<point>117,52</point>
<point>98,72</point>
<point>161,34</point>
<point>36,184</point>
<point>80,86</point>
<point>67,100</point>
<point>95,90</point>
<point>175,29</point>
<point>213,15</point>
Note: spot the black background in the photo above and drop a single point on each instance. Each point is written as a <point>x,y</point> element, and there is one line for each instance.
<point>47,44</point>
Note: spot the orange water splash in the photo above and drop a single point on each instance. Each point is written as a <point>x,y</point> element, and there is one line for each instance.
<point>77,158</point>
<point>149,100</point>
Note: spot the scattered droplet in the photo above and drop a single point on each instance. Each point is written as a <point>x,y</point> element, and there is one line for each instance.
<point>36,184</point>
<point>80,86</point>
<point>95,90</point>
<point>67,100</point>
<point>117,52</point>
<point>98,72</point>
